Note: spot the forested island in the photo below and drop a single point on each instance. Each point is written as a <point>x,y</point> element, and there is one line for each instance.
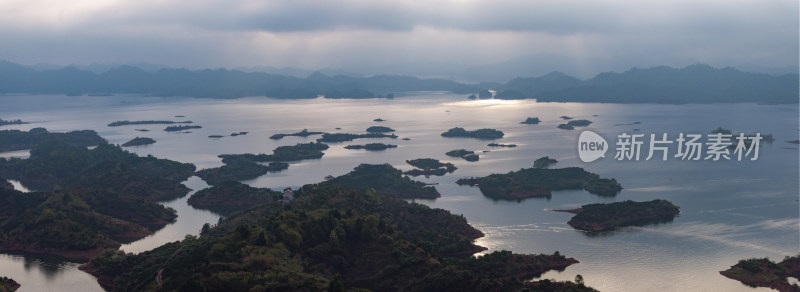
<point>371,146</point>
<point>604,217</point>
<point>12,140</point>
<point>238,169</point>
<point>486,134</point>
<point>93,200</point>
<point>180,128</point>
<point>544,162</point>
<point>231,196</point>
<point>300,151</point>
<point>150,122</point>
<point>11,122</point>
<point>139,141</point>
<point>344,137</point>
<point>8,285</point>
<point>756,272</point>
<point>531,121</point>
<point>536,182</point>
<point>501,145</point>
<point>386,180</point>
<point>429,166</point>
<point>379,129</point>
<point>303,133</point>
<point>463,153</point>
<point>329,236</point>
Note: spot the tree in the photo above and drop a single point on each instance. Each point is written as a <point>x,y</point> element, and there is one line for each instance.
<point>579,279</point>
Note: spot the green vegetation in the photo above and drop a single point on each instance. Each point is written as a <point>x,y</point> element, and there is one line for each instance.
<point>231,196</point>
<point>238,169</point>
<point>180,128</point>
<point>603,217</point>
<point>429,166</point>
<point>126,123</point>
<point>303,133</point>
<point>297,152</point>
<point>379,129</point>
<point>536,182</point>
<point>386,180</point>
<point>544,162</point>
<point>565,117</point>
<point>566,127</point>
<point>486,134</point>
<point>344,137</point>
<point>371,146</point>
<point>502,145</point>
<point>11,122</point>
<point>510,94</point>
<point>8,285</point>
<point>579,123</point>
<point>765,273</point>
<point>11,140</point>
<point>465,154</point>
<point>138,141</point>
<point>531,121</point>
<point>329,236</point>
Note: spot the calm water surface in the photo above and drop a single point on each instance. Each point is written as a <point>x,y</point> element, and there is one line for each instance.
<point>730,210</point>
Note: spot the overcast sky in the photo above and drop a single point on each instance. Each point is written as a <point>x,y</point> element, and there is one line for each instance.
<point>582,37</point>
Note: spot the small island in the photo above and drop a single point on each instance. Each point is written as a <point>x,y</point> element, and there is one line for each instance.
<point>540,182</point>
<point>378,120</point>
<point>579,123</point>
<point>297,152</point>
<point>139,141</point>
<point>180,128</point>
<point>126,123</point>
<point>501,145</point>
<point>11,122</point>
<point>231,196</point>
<point>239,134</point>
<point>379,129</point>
<point>142,130</point>
<point>386,180</point>
<point>565,117</point>
<point>429,166</point>
<point>215,136</point>
<point>604,217</point>
<point>303,133</point>
<point>531,121</point>
<point>8,285</point>
<point>756,272</point>
<point>544,162</point>
<point>344,137</point>
<point>464,154</point>
<point>371,147</point>
<point>238,169</point>
<point>485,134</point>
<point>721,130</point>
<point>566,127</point>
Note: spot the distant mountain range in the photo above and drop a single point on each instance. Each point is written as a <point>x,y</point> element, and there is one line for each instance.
<point>692,84</point>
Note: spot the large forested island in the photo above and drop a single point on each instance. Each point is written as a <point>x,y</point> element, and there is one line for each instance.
<point>765,273</point>
<point>603,217</point>
<point>91,199</point>
<point>238,169</point>
<point>297,152</point>
<point>386,180</point>
<point>487,134</point>
<point>329,236</point>
<point>536,182</point>
<point>11,140</point>
<point>231,196</point>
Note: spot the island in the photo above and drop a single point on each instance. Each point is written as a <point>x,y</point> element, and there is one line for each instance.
<point>126,123</point>
<point>12,140</point>
<point>463,153</point>
<point>301,151</point>
<point>757,272</point>
<point>336,236</point>
<point>139,141</point>
<point>378,120</point>
<point>215,136</point>
<point>579,123</point>
<point>540,182</point>
<point>386,180</point>
<point>371,146</point>
<point>531,121</point>
<point>429,166</point>
<point>238,169</point>
<point>180,128</point>
<point>565,127</point>
<point>231,196</point>
<point>565,117</point>
<point>239,134</point>
<point>88,200</point>
<point>142,130</point>
<point>379,129</point>
<point>11,122</point>
<point>485,134</point>
<point>303,133</point>
<point>8,285</point>
<point>344,137</point>
<point>604,217</point>
<point>721,130</point>
<point>501,145</point>
<point>544,162</point>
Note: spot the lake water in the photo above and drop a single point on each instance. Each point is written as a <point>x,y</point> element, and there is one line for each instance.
<point>730,210</point>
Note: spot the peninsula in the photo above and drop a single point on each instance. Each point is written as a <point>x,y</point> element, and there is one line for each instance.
<point>231,196</point>
<point>139,141</point>
<point>756,272</point>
